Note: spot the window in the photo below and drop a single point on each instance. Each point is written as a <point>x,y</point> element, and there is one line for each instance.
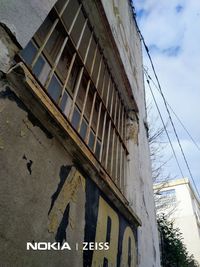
<point>170,192</point>
<point>67,60</point>
<point>169,196</point>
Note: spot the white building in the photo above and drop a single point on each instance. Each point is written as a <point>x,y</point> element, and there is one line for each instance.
<point>179,200</point>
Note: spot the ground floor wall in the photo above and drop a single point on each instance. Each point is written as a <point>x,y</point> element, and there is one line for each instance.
<point>46,197</point>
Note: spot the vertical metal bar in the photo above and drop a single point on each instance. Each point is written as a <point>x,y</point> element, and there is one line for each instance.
<point>116,162</point>
<point>84,104</point>
<point>108,140</point>
<point>74,20</point>
<point>97,81</point>
<point>118,141</point>
<point>111,105</point>
<point>91,117</point>
<point>103,84</point>
<point>107,147</point>
<point>81,35</point>
<point>94,99</point>
<point>104,121</point>
<point>44,43</point>
<point>99,114</point>
<point>119,115</point>
<point>75,93</point>
<point>125,127</point>
<point>99,71</point>
<point>61,51</point>
<point>97,130</point>
<point>112,153</point>
<point>113,137</point>
<point>108,92</point>
<point>67,77</point>
<point>55,63</point>
<point>122,123</point>
<point>49,34</point>
<point>120,165</point>
<point>114,134</point>
<point>116,104</point>
<point>79,80</point>
<point>63,9</point>
<point>94,59</point>
<point>125,170</point>
<point>88,48</point>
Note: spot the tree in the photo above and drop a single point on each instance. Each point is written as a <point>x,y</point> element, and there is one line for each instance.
<point>159,162</point>
<point>173,250</point>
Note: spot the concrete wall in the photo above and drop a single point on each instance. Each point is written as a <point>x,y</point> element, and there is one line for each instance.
<point>23,17</point>
<point>36,165</point>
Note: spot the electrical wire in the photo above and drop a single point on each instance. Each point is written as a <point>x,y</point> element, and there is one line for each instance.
<point>177,117</point>
<point>165,128</point>
<point>154,99</point>
<point>164,100</point>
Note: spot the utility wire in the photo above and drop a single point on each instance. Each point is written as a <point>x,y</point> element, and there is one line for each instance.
<point>177,117</point>
<point>147,76</point>
<point>164,100</point>
<point>165,128</point>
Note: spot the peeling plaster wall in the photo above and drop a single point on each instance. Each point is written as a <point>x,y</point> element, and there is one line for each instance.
<point>45,198</point>
<point>24,17</point>
<point>32,165</point>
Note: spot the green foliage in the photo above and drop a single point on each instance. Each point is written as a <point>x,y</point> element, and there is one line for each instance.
<point>173,251</point>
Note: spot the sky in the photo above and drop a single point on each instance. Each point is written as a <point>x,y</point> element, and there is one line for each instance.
<point>171,30</point>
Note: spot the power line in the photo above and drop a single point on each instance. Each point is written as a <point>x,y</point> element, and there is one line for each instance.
<point>177,117</point>
<point>163,97</point>
<point>167,132</point>
<point>165,128</point>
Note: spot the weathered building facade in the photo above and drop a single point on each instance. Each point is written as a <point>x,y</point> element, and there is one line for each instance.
<point>75,163</point>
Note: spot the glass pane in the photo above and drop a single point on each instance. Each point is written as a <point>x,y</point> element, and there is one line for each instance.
<point>75,118</point>
<point>91,140</point>
<point>73,77</point>
<point>45,72</point>
<point>44,29</point>
<point>64,102</point>
<point>55,42</point>
<point>70,13</point>
<point>98,148</point>
<point>82,92</point>
<point>85,42</point>
<point>65,60</point>
<point>38,66</point>
<point>28,53</point>
<point>78,26</point>
<point>83,129</point>
<point>54,88</point>
<point>59,5</point>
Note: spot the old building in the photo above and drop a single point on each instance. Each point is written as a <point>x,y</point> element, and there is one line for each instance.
<point>75,163</point>
<point>181,204</point>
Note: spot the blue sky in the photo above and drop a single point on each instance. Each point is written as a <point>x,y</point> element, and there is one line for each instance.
<point>171,31</point>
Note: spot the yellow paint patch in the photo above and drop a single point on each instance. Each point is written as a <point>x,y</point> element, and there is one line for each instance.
<point>68,194</point>
<point>106,211</point>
